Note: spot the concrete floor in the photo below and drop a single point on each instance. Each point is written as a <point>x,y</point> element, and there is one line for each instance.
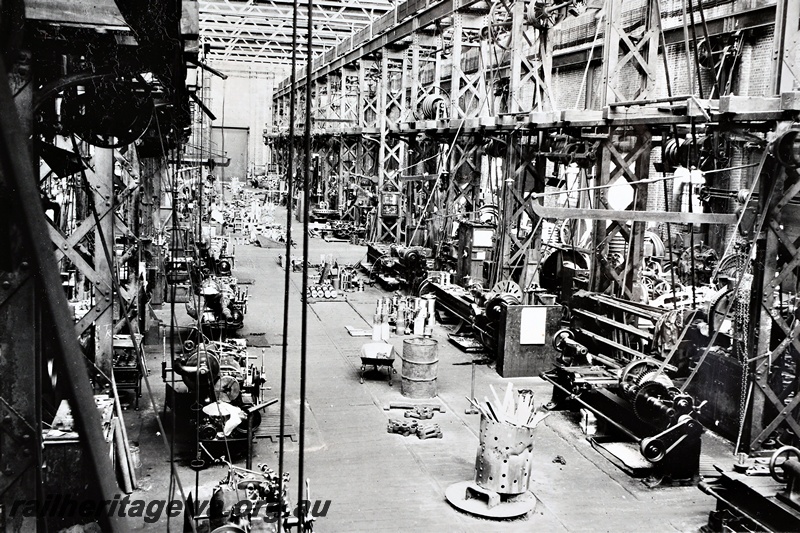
<point>383,482</point>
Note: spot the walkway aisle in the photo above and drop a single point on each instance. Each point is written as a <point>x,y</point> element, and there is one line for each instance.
<point>384,482</point>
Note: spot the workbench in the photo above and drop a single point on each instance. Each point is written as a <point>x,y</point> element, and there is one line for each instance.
<point>749,500</point>
<point>127,363</point>
<point>63,453</point>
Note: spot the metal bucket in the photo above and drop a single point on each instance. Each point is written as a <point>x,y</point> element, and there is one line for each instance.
<point>503,462</point>
<point>420,365</point>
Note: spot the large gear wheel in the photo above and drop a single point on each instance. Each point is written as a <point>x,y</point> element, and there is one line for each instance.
<point>653,375</point>
<point>629,378</point>
<point>648,401</point>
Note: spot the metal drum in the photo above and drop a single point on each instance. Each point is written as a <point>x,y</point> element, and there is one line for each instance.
<point>503,462</point>
<point>420,366</point>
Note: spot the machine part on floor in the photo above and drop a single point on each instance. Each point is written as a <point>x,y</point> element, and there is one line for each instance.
<point>402,427</point>
<point>410,405</point>
<point>420,413</point>
<point>757,499</point>
<point>261,489</point>
<point>429,431</point>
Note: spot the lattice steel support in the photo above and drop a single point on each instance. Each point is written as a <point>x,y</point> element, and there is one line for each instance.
<point>623,164</point>
<point>21,352</point>
<point>467,85</point>
<point>391,152</point>
<point>622,48</point>
<point>773,371</point>
<point>517,248</point>
<point>100,177</point>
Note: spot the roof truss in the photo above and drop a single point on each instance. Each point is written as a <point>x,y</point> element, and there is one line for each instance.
<point>260,31</point>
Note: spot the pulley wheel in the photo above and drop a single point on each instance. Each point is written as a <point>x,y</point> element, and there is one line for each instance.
<point>560,336</point>
<point>507,286</point>
<point>774,466</point>
<point>653,449</point>
<point>500,22</point>
<point>544,15</point>
<point>720,310</point>
<point>786,149</point>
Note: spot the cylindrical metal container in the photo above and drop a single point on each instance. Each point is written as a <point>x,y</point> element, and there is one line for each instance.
<point>420,366</point>
<point>503,462</point>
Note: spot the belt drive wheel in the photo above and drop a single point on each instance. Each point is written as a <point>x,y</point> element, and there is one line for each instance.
<point>543,15</point>
<point>425,287</point>
<point>653,449</point>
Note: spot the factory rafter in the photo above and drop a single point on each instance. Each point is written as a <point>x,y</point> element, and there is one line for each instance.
<point>261,31</point>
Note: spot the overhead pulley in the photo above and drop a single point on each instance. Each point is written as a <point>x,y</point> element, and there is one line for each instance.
<point>786,148</point>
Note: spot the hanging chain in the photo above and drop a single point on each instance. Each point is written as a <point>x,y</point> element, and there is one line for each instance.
<point>741,329</point>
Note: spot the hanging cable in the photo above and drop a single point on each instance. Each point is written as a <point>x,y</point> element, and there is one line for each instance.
<point>686,48</point>
<point>691,224</point>
<point>201,344</point>
<point>304,315</point>
<point>696,53</point>
<point>173,322</point>
<point>287,264</point>
<point>668,81</point>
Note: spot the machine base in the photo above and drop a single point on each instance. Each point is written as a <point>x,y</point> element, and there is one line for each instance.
<point>466,496</point>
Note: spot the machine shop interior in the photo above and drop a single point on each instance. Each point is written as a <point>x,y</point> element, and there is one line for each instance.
<point>399,265</point>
